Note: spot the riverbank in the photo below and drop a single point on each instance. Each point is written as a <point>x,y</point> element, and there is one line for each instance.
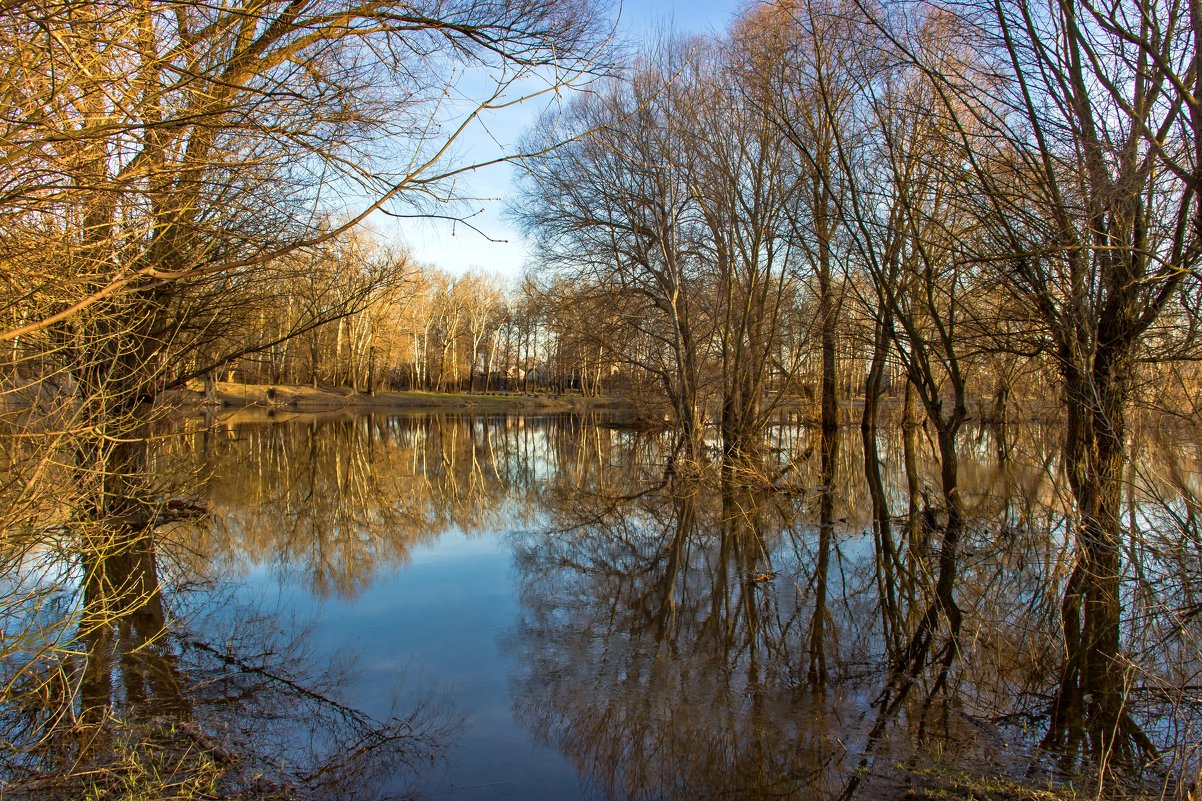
<point>286,398</point>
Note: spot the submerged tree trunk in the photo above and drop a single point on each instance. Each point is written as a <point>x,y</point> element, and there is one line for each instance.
<point>829,445</point>
<point>1093,685</point>
<point>888,563</point>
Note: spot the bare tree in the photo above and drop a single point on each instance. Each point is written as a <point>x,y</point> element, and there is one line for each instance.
<point>614,209</point>
<point>746,183</point>
<point>1086,181</point>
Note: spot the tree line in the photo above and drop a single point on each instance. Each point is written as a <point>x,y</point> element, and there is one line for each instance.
<point>359,314</point>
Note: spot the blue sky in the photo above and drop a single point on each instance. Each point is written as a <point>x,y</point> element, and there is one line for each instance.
<point>457,249</point>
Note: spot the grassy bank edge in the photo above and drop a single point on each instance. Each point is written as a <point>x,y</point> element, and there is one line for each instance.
<point>319,399</point>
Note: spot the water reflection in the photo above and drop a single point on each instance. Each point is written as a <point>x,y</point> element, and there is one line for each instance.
<point>754,630</point>
<point>712,640</point>
<point>129,670</point>
<point>335,502</point>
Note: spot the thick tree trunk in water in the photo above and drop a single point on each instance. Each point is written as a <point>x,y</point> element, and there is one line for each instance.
<point>740,411</point>
<point>121,501</point>
<point>689,427</point>
<point>1092,683</point>
<point>689,413</point>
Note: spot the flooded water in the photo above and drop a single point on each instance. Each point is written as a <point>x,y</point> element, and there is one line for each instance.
<point>542,607</point>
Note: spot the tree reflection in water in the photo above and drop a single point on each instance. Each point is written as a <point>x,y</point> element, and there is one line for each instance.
<point>746,633</point>
<point>728,639</point>
<point>333,503</point>
<point>151,702</point>
<point>130,671</point>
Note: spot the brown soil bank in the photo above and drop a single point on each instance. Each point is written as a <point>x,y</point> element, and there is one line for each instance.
<point>310,399</point>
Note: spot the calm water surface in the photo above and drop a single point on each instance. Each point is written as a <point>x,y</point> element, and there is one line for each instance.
<point>391,543</point>
<point>541,608</point>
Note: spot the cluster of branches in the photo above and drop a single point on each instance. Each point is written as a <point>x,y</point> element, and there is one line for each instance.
<point>161,158</point>
<point>958,189</point>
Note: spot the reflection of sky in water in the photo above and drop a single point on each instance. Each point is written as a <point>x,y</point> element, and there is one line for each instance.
<point>518,631</point>
<point>437,624</point>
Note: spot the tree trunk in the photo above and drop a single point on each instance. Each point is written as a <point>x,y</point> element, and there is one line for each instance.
<point>888,566</point>
<point>1092,681</point>
<point>829,445</point>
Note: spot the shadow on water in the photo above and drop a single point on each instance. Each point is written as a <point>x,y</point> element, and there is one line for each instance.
<point>763,629</point>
